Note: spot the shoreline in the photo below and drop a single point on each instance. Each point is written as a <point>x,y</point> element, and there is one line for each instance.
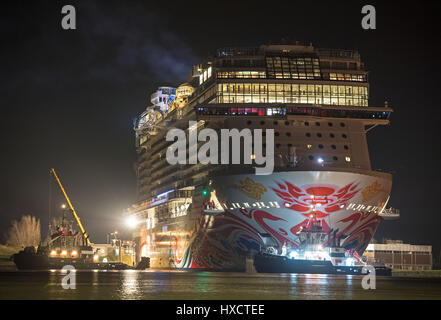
<point>7,266</point>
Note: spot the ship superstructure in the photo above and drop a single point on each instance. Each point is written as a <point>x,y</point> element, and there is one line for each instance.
<point>212,216</point>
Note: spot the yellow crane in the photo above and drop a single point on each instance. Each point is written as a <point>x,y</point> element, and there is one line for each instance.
<point>83,231</point>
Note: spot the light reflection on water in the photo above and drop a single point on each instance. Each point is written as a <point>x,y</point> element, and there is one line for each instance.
<point>130,284</point>
<point>311,286</point>
<point>203,281</point>
<point>350,287</point>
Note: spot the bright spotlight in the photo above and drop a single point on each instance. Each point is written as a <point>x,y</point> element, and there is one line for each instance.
<point>320,160</point>
<point>63,206</point>
<point>349,261</point>
<point>131,222</point>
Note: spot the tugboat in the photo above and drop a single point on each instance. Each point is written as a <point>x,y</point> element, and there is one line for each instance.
<point>318,253</point>
<point>64,247</point>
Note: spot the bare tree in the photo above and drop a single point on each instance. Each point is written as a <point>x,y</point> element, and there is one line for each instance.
<point>25,232</point>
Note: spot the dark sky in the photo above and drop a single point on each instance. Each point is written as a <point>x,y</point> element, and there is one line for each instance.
<point>68,97</point>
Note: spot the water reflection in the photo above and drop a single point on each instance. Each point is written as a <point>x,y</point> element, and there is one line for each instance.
<point>203,282</point>
<point>130,285</point>
<point>209,285</point>
<point>293,286</point>
<point>293,278</point>
<point>313,286</point>
<point>349,286</point>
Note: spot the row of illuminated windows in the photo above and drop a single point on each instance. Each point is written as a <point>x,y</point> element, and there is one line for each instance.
<point>205,75</point>
<point>242,111</point>
<point>287,61</point>
<point>291,89</point>
<point>399,251</point>
<point>345,77</point>
<point>294,75</point>
<point>292,93</point>
<point>295,68</point>
<point>343,101</point>
<point>242,74</point>
<point>290,75</point>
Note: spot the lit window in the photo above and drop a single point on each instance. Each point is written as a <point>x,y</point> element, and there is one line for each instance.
<point>309,146</point>
<point>209,72</point>
<point>348,159</point>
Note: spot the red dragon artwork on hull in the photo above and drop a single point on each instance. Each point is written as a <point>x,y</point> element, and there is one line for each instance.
<point>232,235</point>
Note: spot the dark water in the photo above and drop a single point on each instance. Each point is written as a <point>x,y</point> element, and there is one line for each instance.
<point>209,285</point>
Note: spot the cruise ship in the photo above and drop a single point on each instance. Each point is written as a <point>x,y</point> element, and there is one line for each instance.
<point>215,216</point>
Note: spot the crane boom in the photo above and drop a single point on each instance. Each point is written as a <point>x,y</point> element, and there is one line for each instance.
<point>83,231</point>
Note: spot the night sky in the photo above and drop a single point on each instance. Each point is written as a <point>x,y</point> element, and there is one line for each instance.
<point>68,97</point>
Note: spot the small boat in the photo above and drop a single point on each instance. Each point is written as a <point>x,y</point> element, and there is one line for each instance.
<point>271,263</point>
<point>318,253</point>
<point>65,247</point>
<point>30,259</point>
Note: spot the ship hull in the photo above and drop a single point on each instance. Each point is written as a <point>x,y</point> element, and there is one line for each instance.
<point>35,261</point>
<point>277,206</point>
